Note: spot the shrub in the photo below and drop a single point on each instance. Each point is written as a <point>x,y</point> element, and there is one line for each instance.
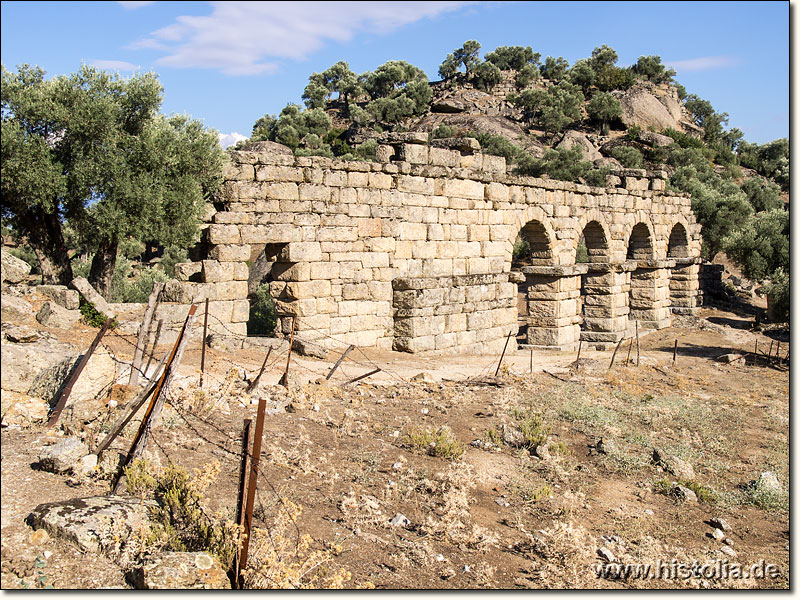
<point>497,145</point>
<point>93,317</point>
<point>262,319</point>
<point>531,424</point>
<point>444,131</point>
<point>630,157</point>
<point>367,150</point>
<point>633,133</point>
<point>179,522</point>
<point>442,442</point>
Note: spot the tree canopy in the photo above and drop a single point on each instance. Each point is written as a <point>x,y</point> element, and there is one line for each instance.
<point>92,150</point>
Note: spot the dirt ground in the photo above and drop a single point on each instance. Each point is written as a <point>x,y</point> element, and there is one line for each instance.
<point>481,512</point>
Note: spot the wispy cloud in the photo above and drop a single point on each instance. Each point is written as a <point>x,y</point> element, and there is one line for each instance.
<point>249,38</point>
<point>703,63</point>
<point>132,4</point>
<point>229,139</point>
<point>114,65</point>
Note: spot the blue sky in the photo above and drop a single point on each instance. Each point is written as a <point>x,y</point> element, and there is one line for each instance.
<point>230,63</point>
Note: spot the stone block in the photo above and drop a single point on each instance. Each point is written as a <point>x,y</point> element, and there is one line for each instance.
<point>185,271</point>
<point>61,295</point>
<point>224,234</point>
<point>301,252</point>
<point>464,188</point>
<point>214,271</point>
<point>416,154</point>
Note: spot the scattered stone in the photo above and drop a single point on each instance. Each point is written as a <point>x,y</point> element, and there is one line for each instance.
<point>542,451</point>
<point>502,501</point>
<point>397,466</point>
<point>448,573</point>
<point>399,520</point>
<point>672,464</point>
<point>14,309</point>
<point>113,525</point>
<point>225,343</point>
<point>717,534</point>
<point>655,139</point>
<point>39,537</point>
<point>683,494</point>
<point>22,410</point>
<point>181,571</point>
<point>306,348</point>
<point>727,550</point>
<point>13,269</point>
<point>424,377</point>
<point>61,295</point>
<point>63,456</point>
<point>727,541</point>
<point>729,358</point>
<point>53,315</point>
<point>605,446</point>
<point>606,554</point>
<point>87,464</point>
<point>768,482</point>
<point>92,296</point>
<point>20,334</point>
<point>466,569</point>
<point>720,523</point>
<point>648,512</point>
<point>512,436</point>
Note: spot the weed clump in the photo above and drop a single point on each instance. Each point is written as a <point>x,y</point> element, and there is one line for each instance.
<point>533,429</point>
<point>442,442</point>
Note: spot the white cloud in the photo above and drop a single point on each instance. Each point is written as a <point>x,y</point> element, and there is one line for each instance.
<point>114,65</point>
<point>247,38</point>
<point>132,4</point>
<point>229,139</point>
<point>703,63</point>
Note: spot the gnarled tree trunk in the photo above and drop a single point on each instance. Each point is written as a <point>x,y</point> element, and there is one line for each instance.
<point>46,237</point>
<point>103,263</point>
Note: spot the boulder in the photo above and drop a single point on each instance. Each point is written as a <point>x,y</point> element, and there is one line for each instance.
<point>512,436</point>
<point>53,315</point>
<point>92,296</point>
<point>13,269</point>
<point>40,368</point>
<point>63,456</point>
<point>62,295</point>
<point>13,308</point>
<point>113,525</point>
<point>181,571</point>
<point>641,107</point>
<point>22,410</point>
<point>307,348</point>
<point>424,377</point>
<point>674,465</point>
<point>572,138</point>
<point>266,147</point>
<point>20,334</point>
<point>655,139</point>
<point>768,482</point>
<point>683,494</point>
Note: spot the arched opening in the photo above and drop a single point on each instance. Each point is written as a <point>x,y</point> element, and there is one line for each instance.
<point>640,246</point>
<point>263,271</point>
<point>532,248</point>
<point>592,249</point>
<point>678,245</point>
<point>641,296</point>
<point>683,276</point>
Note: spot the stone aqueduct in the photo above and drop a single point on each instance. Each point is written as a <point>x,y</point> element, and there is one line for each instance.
<point>414,253</point>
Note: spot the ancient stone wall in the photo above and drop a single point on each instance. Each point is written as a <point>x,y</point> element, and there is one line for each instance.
<point>415,252</point>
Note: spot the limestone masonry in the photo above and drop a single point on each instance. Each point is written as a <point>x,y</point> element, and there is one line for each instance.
<point>414,253</point>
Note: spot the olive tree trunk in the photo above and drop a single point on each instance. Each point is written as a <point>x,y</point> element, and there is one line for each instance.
<point>103,264</point>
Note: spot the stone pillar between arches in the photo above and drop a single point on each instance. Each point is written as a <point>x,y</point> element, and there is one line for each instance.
<point>552,301</point>
<point>605,302</point>
<point>684,285</point>
<point>650,295</point>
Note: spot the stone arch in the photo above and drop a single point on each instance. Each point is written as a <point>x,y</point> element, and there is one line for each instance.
<point>678,243</point>
<point>534,229</point>
<point>640,242</point>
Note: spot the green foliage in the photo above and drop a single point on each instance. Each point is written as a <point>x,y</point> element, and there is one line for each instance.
<point>180,522</point>
<point>554,69</point>
<point>770,160</point>
<point>582,74</point>
<point>444,131</point>
<point>367,151</point>
<point>93,149</point>
<point>650,68</point>
<point>486,75</point>
<point>497,145</point>
<point>262,312</point>
<point>762,195</point>
<point>93,317</point>
<point>442,442</point>
<point>761,245</point>
<point>338,79</point>
<point>604,108</point>
<point>563,164</point>
<point>609,77</point>
<point>778,295</point>
<point>706,117</point>
<point>633,133</point>
<point>581,253</point>
<point>532,426</point>
<point>665,487</point>
<point>554,109</point>
<point>391,78</point>
<point>513,57</point>
<point>172,256</point>
<point>682,94</point>
<point>525,76</point>
<point>521,249</point>
<point>26,253</point>
<point>466,56</point>
<point>335,139</point>
<point>130,248</point>
<point>630,157</point>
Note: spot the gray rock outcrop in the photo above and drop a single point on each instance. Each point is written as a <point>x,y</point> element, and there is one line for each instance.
<point>63,456</point>
<point>572,138</point>
<point>13,308</point>
<point>53,315</point>
<point>674,465</point>
<point>181,571</point>
<point>13,269</point>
